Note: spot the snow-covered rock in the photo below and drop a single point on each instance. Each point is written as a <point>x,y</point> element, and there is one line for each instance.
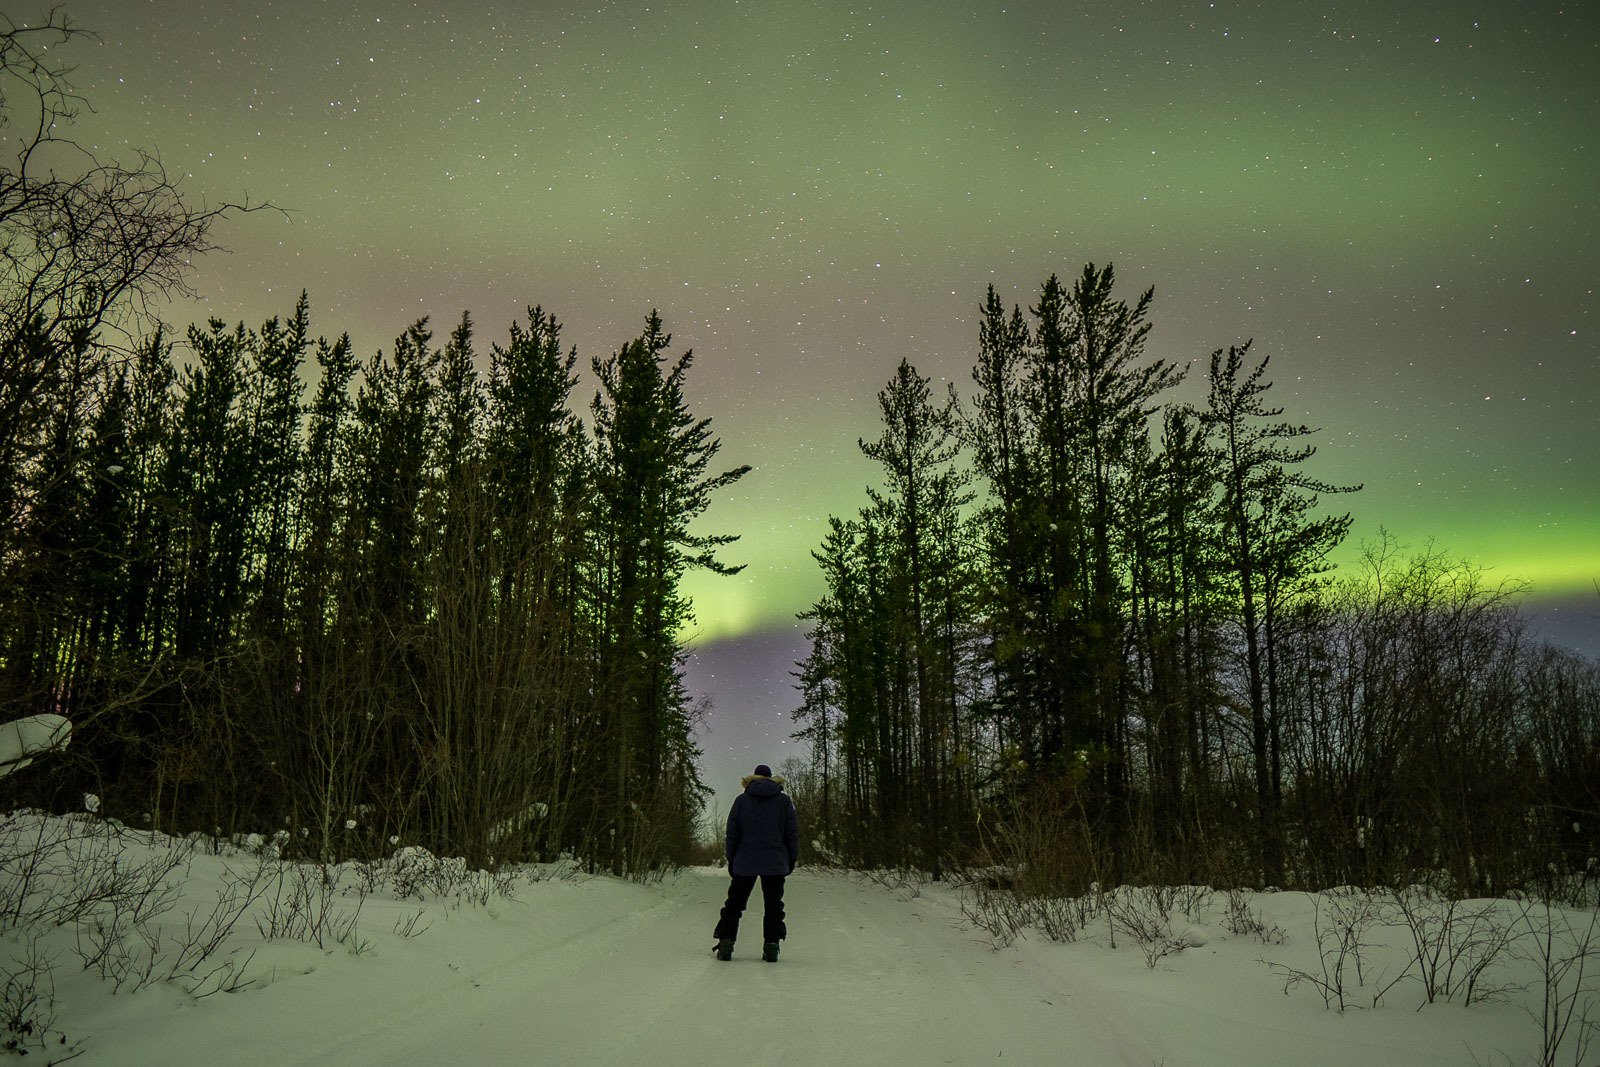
<point>22,739</point>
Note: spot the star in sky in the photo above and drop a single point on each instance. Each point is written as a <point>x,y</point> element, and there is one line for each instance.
<point>1395,201</point>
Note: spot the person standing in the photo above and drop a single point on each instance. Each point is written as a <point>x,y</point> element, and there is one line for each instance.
<point>763,842</point>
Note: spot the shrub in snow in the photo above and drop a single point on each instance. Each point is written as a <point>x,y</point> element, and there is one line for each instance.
<point>996,911</point>
<point>1341,919</point>
<point>995,904</point>
<point>1453,942</point>
<point>1242,918</point>
<point>1143,915</point>
<point>84,877</point>
<point>301,905</point>
<point>1566,956</point>
<point>1193,900</point>
<point>28,1008</point>
<point>414,871</point>
<point>1450,947</point>
<point>904,882</point>
<point>825,856</point>
<point>1064,918</point>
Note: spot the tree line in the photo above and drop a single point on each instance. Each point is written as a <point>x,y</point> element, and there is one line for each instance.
<point>1084,632</point>
<point>277,588</point>
<point>419,603</point>
<point>1080,631</point>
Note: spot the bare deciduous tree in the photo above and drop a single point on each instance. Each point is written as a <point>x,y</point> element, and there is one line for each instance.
<point>86,241</point>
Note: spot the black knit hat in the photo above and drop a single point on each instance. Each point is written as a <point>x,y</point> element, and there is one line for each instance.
<point>763,771</point>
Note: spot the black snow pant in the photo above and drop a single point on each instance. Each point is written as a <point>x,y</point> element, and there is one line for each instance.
<point>772,928</point>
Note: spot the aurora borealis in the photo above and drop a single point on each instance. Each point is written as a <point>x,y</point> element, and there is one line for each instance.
<point>1396,201</point>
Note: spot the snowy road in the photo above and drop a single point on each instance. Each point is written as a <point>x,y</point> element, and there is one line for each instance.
<point>597,970</point>
<point>865,977</point>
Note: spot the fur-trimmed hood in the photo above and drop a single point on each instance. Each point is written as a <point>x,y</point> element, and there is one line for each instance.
<point>763,829</point>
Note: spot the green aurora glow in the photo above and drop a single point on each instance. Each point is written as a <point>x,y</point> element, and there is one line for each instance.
<point>1395,200</point>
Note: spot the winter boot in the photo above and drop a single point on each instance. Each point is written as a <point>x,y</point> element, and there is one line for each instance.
<point>724,949</point>
<point>769,952</point>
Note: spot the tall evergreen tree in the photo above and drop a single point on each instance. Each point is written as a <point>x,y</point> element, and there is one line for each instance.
<point>209,482</point>
<point>538,475</point>
<point>1003,448</point>
<point>919,512</point>
<point>1270,541</point>
<point>273,397</point>
<point>652,477</point>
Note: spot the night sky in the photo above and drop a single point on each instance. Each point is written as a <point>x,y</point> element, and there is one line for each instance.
<point>1396,200</point>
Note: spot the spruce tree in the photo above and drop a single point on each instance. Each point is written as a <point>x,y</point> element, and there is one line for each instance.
<point>652,478</point>
<point>1270,541</point>
<point>919,511</point>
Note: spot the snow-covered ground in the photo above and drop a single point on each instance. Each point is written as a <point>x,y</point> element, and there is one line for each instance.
<point>426,966</point>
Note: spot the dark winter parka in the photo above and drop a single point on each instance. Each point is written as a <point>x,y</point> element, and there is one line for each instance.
<point>763,830</point>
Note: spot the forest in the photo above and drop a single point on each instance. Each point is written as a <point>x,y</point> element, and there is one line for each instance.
<point>1084,634</point>
<point>1080,632</point>
<point>279,589</point>
<point>430,608</point>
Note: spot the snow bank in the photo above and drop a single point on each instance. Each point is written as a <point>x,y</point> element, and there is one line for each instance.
<point>229,955</point>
